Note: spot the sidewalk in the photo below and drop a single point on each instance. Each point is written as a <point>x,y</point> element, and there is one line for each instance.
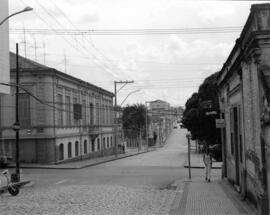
<point>218,197</point>
<point>84,163</point>
<point>196,161</point>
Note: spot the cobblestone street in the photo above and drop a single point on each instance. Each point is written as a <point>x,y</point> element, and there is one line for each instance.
<point>84,199</point>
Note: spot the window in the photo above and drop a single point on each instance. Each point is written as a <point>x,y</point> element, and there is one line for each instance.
<point>69,150</point>
<point>93,145</point>
<point>75,120</point>
<point>111,142</point>
<point>91,114</point>
<point>98,144</point>
<point>84,112</point>
<point>97,113</point>
<point>103,115</point>
<point>76,148</point>
<point>85,146</point>
<point>104,142</point>
<point>24,110</point>
<point>59,100</point>
<point>68,111</point>
<point>61,151</point>
<point>108,142</point>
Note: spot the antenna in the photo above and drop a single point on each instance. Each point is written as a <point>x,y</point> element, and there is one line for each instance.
<point>44,52</point>
<point>65,61</point>
<point>24,41</point>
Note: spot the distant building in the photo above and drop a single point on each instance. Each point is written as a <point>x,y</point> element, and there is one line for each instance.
<point>161,120</point>
<point>62,118</point>
<point>244,97</point>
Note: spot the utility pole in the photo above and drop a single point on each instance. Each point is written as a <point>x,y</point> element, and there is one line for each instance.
<point>16,125</point>
<point>115,111</point>
<point>146,127</point>
<point>189,170</point>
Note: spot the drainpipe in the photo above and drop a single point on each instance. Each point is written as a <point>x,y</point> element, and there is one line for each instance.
<point>54,110</point>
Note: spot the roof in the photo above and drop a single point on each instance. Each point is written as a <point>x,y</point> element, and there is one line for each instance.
<point>25,63</point>
<point>30,65</point>
<point>158,101</point>
<point>253,26</point>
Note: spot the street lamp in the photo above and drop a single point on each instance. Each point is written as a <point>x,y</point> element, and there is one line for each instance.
<point>115,109</point>
<point>21,11</point>
<point>135,91</point>
<point>146,127</point>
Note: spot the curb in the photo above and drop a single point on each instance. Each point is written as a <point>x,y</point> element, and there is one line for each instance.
<point>83,166</point>
<point>201,167</point>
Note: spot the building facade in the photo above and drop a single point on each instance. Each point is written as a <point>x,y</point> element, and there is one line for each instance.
<point>161,120</point>
<point>4,47</point>
<point>244,96</point>
<point>62,118</point>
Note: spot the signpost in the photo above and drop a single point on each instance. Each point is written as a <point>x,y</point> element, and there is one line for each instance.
<point>220,123</point>
<point>189,170</point>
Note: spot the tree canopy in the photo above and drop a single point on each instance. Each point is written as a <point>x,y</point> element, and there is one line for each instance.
<point>134,119</point>
<point>195,118</point>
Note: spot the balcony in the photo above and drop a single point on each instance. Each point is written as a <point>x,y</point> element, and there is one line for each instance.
<point>94,129</point>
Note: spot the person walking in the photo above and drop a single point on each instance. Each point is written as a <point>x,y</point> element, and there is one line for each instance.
<point>207,159</point>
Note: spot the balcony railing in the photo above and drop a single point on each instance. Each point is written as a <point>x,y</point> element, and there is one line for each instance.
<point>93,129</point>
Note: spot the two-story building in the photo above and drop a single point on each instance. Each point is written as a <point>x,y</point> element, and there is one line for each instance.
<point>161,120</point>
<point>61,117</point>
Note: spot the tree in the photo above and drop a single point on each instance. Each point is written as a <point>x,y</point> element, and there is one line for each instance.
<point>134,120</point>
<point>195,119</point>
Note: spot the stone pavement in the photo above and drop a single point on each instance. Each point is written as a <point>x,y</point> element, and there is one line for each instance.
<point>88,200</point>
<point>197,197</point>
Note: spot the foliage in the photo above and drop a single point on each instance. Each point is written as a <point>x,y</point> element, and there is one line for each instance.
<point>195,119</point>
<point>134,120</point>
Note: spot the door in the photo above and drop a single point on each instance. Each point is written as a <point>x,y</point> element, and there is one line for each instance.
<point>236,145</point>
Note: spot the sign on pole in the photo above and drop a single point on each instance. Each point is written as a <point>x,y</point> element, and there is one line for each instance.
<point>220,123</point>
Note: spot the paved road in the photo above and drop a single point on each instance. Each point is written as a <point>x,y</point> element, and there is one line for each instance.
<point>134,185</point>
<point>156,168</point>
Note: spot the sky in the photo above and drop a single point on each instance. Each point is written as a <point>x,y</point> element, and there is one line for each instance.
<point>168,66</point>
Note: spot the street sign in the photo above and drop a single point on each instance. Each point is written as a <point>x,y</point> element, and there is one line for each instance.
<point>210,113</point>
<point>16,126</point>
<point>220,123</point>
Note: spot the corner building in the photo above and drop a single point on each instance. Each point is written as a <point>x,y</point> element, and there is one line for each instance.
<point>61,117</point>
<point>244,97</point>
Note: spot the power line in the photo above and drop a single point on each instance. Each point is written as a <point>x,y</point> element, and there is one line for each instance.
<point>90,42</point>
<point>55,31</point>
<point>212,30</point>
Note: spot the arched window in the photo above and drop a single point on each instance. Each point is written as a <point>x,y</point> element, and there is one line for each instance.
<point>69,150</point>
<point>103,141</point>
<point>98,144</point>
<point>76,148</point>
<point>85,146</point>
<point>111,142</point>
<point>108,142</point>
<point>61,151</point>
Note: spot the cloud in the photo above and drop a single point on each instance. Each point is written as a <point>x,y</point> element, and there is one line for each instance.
<point>197,50</point>
<point>89,18</point>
